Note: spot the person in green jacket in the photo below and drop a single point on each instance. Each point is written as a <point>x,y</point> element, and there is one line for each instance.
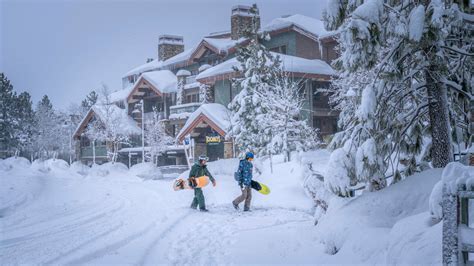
<point>200,169</point>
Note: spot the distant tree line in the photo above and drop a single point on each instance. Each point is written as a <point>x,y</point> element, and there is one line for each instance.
<point>39,132</point>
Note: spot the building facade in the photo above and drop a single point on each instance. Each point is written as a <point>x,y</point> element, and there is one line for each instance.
<point>192,88</point>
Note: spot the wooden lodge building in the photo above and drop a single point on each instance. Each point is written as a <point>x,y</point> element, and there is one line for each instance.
<point>192,88</point>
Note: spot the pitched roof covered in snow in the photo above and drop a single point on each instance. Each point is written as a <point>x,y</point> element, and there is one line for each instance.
<point>120,95</point>
<point>308,26</point>
<point>109,114</point>
<point>157,65</point>
<point>313,26</point>
<point>214,114</point>
<point>161,81</point>
<point>297,66</point>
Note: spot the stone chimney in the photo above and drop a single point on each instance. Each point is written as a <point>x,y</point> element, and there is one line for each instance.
<point>169,46</point>
<point>241,20</point>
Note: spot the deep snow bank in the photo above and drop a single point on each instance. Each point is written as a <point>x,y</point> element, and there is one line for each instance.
<point>388,226</point>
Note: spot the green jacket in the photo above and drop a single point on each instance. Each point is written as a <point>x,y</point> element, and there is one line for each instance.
<point>197,170</point>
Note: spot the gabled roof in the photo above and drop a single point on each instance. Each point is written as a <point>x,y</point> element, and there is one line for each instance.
<point>161,81</point>
<point>308,26</point>
<point>157,65</point>
<point>296,66</point>
<point>110,112</point>
<point>121,95</point>
<point>215,115</point>
<point>312,27</point>
<point>217,45</point>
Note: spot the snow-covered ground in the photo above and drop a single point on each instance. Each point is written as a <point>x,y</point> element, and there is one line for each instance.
<point>54,214</point>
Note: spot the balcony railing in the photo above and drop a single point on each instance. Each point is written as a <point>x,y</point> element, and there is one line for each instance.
<point>191,79</point>
<point>184,108</point>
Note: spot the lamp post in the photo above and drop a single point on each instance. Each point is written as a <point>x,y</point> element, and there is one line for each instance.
<point>141,105</point>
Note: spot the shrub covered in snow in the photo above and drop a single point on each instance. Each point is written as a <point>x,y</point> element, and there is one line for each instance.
<point>49,165</point>
<point>108,169</point>
<point>14,162</point>
<point>80,168</point>
<point>56,164</point>
<point>146,170</point>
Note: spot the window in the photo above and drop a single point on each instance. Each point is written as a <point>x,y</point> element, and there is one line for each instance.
<point>279,49</point>
<point>326,125</point>
<point>85,142</point>
<point>192,98</point>
<point>320,98</point>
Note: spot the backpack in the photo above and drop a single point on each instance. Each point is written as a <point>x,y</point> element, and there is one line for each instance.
<point>237,175</point>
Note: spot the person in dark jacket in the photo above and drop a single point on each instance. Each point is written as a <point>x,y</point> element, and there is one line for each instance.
<point>200,169</point>
<point>245,178</point>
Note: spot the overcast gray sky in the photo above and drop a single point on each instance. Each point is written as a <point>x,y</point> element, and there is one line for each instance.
<point>67,48</point>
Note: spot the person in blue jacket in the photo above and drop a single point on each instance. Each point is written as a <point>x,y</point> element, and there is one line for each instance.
<point>245,178</point>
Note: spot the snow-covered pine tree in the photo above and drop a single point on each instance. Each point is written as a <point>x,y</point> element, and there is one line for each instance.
<point>7,118</point>
<point>392,80</point>
<point>26,129</point>
<point>259,69</point>
<point>90,100</point>
<point>155,135</point>
<point>283,101</point>
<point>46,145</point>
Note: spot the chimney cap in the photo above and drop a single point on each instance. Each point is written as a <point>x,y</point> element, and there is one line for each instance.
<point>170,39</point>
<point>242,10</point>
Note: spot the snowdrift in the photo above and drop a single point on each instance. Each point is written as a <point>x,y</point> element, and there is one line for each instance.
<point>389,226</point>
<point>109,214</point>
<point>146,171</point>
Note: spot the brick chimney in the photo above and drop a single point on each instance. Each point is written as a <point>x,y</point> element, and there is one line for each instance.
<point>241,20</point>
<point>169,46</point>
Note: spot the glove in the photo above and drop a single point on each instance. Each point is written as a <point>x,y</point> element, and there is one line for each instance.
<point>214,183</point>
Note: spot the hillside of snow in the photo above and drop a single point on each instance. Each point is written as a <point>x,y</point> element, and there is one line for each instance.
<point>52,213</point>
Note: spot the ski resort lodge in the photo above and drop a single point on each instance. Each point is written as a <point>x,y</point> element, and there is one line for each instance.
<point>191,88</point>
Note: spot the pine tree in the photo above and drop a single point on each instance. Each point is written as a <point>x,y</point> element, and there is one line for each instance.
<point>26,123</point>
<point>259,68</point>
<point>7,119</point>
<point>90,100</point>
<point>46,144</point>
<point>393,79</point>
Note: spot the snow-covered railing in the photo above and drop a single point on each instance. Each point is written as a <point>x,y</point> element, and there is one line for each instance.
<point>458,237</point>
<point>191,79</point>
<point>184,108</point>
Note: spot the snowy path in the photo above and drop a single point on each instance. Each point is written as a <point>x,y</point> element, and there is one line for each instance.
<point>64,218</point>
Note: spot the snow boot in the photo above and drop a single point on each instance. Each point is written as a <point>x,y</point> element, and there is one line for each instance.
<point>246,209</point>
<point>203,210</point>
<point>235,206</point>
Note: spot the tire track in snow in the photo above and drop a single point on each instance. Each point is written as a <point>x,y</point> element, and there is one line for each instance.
<point>71,251</point>
<point>110,247</point>
<point>59,230</point>
<point>161,235</point>
<point>205,242</point>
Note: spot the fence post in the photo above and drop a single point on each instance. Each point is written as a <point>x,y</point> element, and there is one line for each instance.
<point>450,228</point>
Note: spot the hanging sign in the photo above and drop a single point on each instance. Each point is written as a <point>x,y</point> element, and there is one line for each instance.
<point>213,139</point>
